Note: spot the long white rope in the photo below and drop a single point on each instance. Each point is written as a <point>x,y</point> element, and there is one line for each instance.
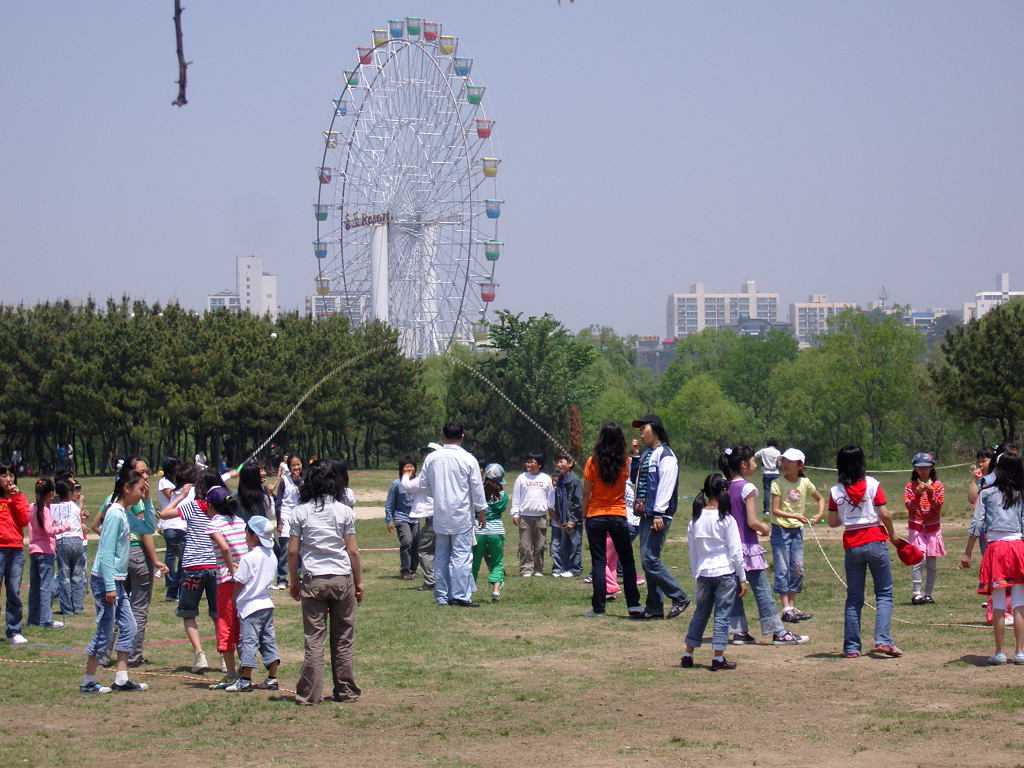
<point>886,471</point>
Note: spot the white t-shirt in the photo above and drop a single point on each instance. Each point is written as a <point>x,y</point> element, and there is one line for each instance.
<point>256,570</point>
<point>174,523</point>
<point>532,495</point>
<point>289,501</point>
<point>769,458</point>
<point>321,532</point>
<point>67,513</point>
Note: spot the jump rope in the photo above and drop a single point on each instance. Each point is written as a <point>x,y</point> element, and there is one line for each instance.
<point>532,422</point>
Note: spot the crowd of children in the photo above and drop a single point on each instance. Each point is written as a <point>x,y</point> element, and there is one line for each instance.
<point>227,547</point>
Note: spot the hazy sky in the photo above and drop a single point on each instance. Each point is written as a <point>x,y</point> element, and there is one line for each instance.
<point>811,146</point>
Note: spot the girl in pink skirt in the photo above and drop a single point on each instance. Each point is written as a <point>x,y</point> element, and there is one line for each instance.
<point>923,497</point>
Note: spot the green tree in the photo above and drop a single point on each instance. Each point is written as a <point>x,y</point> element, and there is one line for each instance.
<point>701,421</point>
<point>979,372</point>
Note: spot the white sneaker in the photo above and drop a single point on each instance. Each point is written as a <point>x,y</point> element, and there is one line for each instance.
<point>567,574</point>
<point>57,624</point>
<point>17,639</point>
<point>199,663</point>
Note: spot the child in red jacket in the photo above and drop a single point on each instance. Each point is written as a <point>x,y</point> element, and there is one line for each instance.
<point>13,519</point>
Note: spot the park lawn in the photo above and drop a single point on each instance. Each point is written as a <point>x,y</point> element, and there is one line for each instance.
<point>529,681</point>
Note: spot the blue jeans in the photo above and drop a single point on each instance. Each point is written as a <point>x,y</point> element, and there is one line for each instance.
<point>106,614</point>
<point>660,581</point>
<point>767,613</point>
<point>453,567</point>
<point>11,562</point>
<point>174,540</point>
<point>873,556</point>
<point>766,485</point>
<point>713,592</point>
<point>71,574</point>
<point>566,549</point>
<point>788,556</point>
<point>256,631</point>
<point>40,589</point>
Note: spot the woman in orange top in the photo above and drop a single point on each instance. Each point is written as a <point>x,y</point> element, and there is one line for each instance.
<point>604,508</point>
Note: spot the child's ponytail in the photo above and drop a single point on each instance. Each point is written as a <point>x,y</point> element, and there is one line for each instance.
<point>715,487</point>
<point>730,459</point>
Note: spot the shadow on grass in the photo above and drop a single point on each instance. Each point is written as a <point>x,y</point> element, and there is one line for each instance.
<point>972,659</point>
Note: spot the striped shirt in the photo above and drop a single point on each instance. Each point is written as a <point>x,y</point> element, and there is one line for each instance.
<point>233,531</point>
<point>199,549</point>
<point>924,507</point>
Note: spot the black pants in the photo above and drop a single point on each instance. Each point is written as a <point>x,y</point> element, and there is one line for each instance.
<point>598,528</point>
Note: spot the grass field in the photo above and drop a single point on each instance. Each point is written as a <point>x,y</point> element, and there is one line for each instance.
<point>529,681</point>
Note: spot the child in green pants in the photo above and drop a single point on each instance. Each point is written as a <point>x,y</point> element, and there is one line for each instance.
<point>490,538</point>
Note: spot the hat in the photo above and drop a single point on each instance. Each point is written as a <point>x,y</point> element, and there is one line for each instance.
<point>429,447</point>
<point>908,553</point>
<point>495,472</point>
<point>217,495</point>
<point>923,460</point>
<point>794,454</point>
<point>650,418</point>
<point>263,528</point>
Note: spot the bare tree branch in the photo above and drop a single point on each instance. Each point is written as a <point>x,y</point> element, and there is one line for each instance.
<point>182,64</point>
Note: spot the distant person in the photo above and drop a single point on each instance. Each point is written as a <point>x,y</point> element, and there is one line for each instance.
<point>42,535</point>
<point>790,492</point>
<point>657,495</point>
<point>423,512</point>
<point>567,520</point>
<point>924,497</point>
<point>769,458</point>
<point>452,477</point>
<point>533,501</point>
<point>490,537</point>
<point>397,518</point>
<point>14,515</point>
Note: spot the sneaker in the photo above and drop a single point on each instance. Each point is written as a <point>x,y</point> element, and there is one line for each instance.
<point>788,638</point>
<point>567,575</point>
<point>526,575</point>
<point>56,624</point>
<point>646,615</point>
<point>613,595</point>
<point>199,663</point>
<point>678,608</point>
<point>138,662</point>
<point>723,664</point>
<point>279,586</point>
<point>997,658</point>
<point>465,604</point>
<point>795,616</point>
<point>224,683</point>
<point>495,597</point>
<point>1018,658</point>
<point>929,599</point>
<point>744,639</point>
<point>270,684</point>
<point>129,685</point>
<point>538,574</point>
<point>640,581</point>
<point>590,613</point>
<point>686,662</point>
<point>93,687</point>
<point>918,600</point>
<point>556,574</point>
<point>888,650</point>
<point>851,655</point>
<point>588,579</point>
<point>241,686</point>
<point>17,639</point>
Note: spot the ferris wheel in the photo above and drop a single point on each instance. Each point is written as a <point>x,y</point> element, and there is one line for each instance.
<point>407,207</point>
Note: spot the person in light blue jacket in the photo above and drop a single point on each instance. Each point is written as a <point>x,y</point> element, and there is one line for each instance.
<point>109,571</point>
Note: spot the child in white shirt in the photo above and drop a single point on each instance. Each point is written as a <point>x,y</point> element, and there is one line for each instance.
<point>255,573</point>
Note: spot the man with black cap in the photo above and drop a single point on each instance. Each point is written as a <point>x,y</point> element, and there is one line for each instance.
<point>656,498</point>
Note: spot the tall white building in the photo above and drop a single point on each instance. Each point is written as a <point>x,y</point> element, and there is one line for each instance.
<point>694,311</point>
<point>257,290</point>
<point>810,318</point>
<point>986,300</point>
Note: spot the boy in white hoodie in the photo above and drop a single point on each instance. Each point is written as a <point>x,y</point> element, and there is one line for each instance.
<point>533,500</point>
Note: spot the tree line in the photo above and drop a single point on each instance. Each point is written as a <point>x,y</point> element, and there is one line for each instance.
<point>129,377</point>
